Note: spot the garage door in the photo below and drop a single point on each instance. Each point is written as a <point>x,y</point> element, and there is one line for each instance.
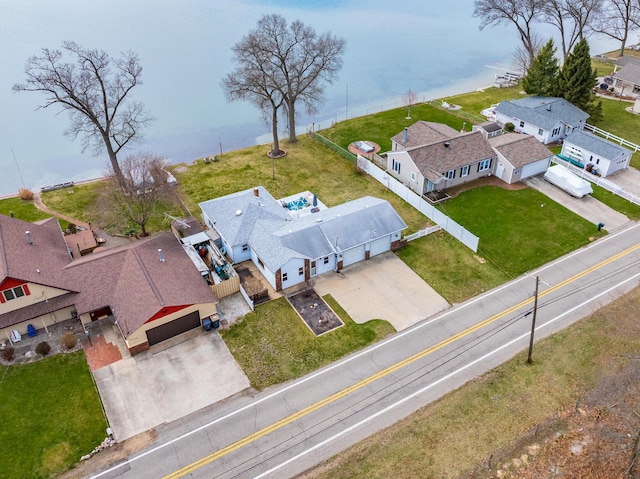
<point>353,255</point>
<point>533,169</point>
<point>380,245</point>
<point>173,328</point>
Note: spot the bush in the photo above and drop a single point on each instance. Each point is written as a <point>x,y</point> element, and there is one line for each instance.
<point>25,194</point>
<point>43,348</point>
<point>509,127</point>
<point>68,341</point>
<point>8,354</point>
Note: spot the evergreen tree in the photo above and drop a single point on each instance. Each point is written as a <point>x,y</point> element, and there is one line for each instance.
<point>542,76</point>
<point>578,79</point>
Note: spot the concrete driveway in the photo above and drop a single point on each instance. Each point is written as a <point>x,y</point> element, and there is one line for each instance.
<point>174,378</point>
<point>588,207</point>
<point>383,287</point>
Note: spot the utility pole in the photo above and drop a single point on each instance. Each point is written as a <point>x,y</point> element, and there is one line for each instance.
<point>533,321</point>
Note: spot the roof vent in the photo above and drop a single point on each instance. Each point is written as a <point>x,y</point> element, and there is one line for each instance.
<point>406,135</point>
<point>28,233</point>
<point>446,144</point>
<point>160,255</point>
<point>238,212</point>
<point>549,107</point>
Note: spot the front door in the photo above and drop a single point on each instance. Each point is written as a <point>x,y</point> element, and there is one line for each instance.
<point>499,170</point>
<point>313,268</point>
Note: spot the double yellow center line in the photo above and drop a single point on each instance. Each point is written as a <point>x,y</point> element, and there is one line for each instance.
<point>389,370</point>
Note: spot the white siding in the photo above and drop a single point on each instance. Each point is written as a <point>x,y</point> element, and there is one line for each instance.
<point>291,269</point>
<point>380,245</point>
<point>533,169</point>
<point>352,255</point>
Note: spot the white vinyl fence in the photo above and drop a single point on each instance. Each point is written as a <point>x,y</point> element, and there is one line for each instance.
<point>597,180</point>
<point>246,297</point>
<point>423,206</point>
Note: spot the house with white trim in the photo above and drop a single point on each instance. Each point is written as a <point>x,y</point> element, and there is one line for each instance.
<point>548,119</point>
<point>596,154</point>
<point>290,248</point>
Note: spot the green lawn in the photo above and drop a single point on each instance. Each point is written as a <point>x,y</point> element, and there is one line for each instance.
<point>617,120</point>
<point>630,210</point>
<point>307,166</point>
<point>273,345</point>
<point>51,416</point>
<point>24,210</point>
<point>380,127</point>
<point>519,230</point>
<point>476,101</point>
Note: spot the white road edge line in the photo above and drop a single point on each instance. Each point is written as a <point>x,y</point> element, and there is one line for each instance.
<point>360,353</point>
<point>435,383</point>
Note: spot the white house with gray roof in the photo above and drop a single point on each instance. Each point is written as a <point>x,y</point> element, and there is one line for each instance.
<point>595,154</point>
<point>626,76</point>
<point>289,250</point>
<point>548,119</point>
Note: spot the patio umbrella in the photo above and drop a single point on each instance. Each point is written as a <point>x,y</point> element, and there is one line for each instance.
<point>315,200</point>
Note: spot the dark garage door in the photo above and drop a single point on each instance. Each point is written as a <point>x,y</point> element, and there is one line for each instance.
<point>173,328</point>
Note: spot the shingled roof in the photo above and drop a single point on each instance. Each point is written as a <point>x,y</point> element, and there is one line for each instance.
<point>130,279</point>
<point>136,284</point>
<point>520,150</point>
<point>595,144</point>
<point>630,73</point>
<point>543,112</point>
<point>424,132</point>
<point>435,159</point>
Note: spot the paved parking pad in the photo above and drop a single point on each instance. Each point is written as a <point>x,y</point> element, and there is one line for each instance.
<point>174,378</point>
<point>383,287</point>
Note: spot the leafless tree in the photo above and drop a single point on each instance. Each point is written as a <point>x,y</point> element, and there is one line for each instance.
<point>523,14</point>
<point>618,19</point>
<point>293,59</point>
<point>143,187</point>
<point>520,56</point>
<point>409,99</point>
<point>96,91</point>
<point>257,80</point>
<point>572,19</point>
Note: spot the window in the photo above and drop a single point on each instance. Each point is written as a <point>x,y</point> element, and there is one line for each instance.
<point>260,263</point>
<point>484,165</point>
<point>521,124</point>
<point>300,271</point>
<point>284,277</point>
<point>245,247</point>
<point>598,161</point>
<point>451,174</point>
<point>413,175</point>
<point>464,171</point>
<point>13,293</point>
<point>555,132</point>
<point>517,171</point>
<point>395,165</point>
<point>325,260</point>
<point>540,131</point>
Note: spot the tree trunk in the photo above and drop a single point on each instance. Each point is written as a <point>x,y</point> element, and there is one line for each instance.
<point>291,109</point>
<point>144,233</point>
<point>113,158</point>
<point>276,142</point>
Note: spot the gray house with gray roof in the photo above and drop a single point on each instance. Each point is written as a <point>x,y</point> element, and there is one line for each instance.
<point>289,250</point>
<point>548,119</point>
<point>595,154</point>
<point>626,76</point>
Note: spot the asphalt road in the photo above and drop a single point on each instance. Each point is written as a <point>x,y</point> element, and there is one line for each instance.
<point>287,429</point>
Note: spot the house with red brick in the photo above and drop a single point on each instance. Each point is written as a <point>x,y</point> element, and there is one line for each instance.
<point>149,288</point>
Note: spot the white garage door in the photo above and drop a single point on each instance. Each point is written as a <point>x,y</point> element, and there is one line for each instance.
<point>352,256</point>
<point>380,245</point>
<point>533,169</point>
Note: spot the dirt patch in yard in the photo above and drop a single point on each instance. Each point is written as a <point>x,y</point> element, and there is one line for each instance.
<point>315,312</point>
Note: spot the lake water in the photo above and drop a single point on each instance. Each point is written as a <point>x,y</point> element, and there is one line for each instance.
<point>433,48</point>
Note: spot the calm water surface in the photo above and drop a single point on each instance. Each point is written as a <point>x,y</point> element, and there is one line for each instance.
<point>434,48</point>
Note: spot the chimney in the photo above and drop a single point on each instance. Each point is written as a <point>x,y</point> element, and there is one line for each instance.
<point>446,144</point>
<point>549,107</point>
<point>256,192</point>
<point>160,255</point>
<point>28,233</point>
<point>406,134</point>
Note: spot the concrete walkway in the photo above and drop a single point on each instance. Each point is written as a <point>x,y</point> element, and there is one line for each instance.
<point>383,287</point>
<point>587,207</point>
